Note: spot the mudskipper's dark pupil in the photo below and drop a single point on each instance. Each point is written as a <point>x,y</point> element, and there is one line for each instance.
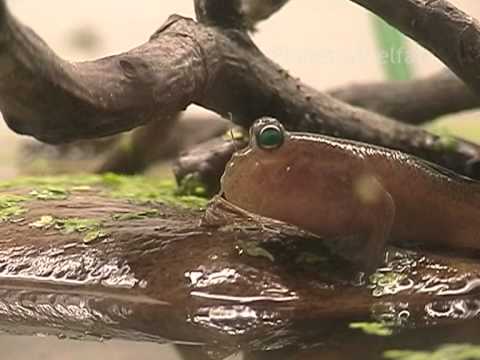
<point>270,138</point>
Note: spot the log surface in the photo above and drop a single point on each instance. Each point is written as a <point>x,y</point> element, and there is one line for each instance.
<point>160,273</point>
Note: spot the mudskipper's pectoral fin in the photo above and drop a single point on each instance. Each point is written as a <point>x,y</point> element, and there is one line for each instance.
<point>355,250</point>
<point>366,250</point>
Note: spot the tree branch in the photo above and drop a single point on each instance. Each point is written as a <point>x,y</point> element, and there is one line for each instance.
<point>154,142</point>
<point>443,29</point>
<point>183,63</point>
<point>56,101</point>
<point>415,101</point>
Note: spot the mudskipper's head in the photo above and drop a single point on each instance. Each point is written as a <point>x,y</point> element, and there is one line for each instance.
<point>251,173</point>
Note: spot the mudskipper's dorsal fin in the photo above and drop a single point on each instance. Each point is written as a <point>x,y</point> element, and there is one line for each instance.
<point>444,172</point>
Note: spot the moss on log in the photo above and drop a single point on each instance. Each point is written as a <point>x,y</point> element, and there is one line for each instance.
<point>111,256</point>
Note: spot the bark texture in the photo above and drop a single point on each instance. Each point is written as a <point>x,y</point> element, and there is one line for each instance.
<point>212,63</point>
<point>162,273</point>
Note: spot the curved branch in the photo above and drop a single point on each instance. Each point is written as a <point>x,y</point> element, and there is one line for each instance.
<point>56,101</point>
<point>183,63</point>
<point>446,31</point>
<point>155,142</point>
<point>415,101</point>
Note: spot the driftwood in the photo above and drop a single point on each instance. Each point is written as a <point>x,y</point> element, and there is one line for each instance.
<point>212,63</point>
<point>415,102</point>
<point>454,41</point>
<point>161,273</point>
<point>233,283</point>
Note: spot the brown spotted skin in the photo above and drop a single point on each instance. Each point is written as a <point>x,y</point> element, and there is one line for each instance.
<point>360,194</point>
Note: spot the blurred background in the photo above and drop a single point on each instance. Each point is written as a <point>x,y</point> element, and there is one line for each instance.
<point>326,43</point>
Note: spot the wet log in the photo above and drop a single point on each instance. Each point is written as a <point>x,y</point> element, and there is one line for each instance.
<point>99,257</point>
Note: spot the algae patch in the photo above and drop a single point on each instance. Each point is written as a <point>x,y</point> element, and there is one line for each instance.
<point>90,228</point>
<point>142,189</point>
<point>138,189</point>
<point>94,235</point>
<point>11,207</point>
<point>50,193</point>
<point>71,225</point>
<point>45,222</point>
<point>141,215</point>
<point>372,328</point>
<point>191,185</point>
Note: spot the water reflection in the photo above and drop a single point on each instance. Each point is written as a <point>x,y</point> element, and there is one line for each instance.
<point>214,304</point>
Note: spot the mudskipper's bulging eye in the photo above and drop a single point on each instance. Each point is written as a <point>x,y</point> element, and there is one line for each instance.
<point>270,137</point>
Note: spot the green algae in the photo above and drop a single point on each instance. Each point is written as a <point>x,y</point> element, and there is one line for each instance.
<point>50,193</point>
<point>372,328</point>
<point>444,352</point>
<point>142,189</point>
<point>71,225</point>
<point>45,222</point>
<point>11,207</point>
<point>138,189</point>
<point>90,228</point>
<point>140,215</point>
<point>94,235</point>
<point>191,185</point>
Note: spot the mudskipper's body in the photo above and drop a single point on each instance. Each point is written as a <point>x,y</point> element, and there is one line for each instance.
<point>357,195</point>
